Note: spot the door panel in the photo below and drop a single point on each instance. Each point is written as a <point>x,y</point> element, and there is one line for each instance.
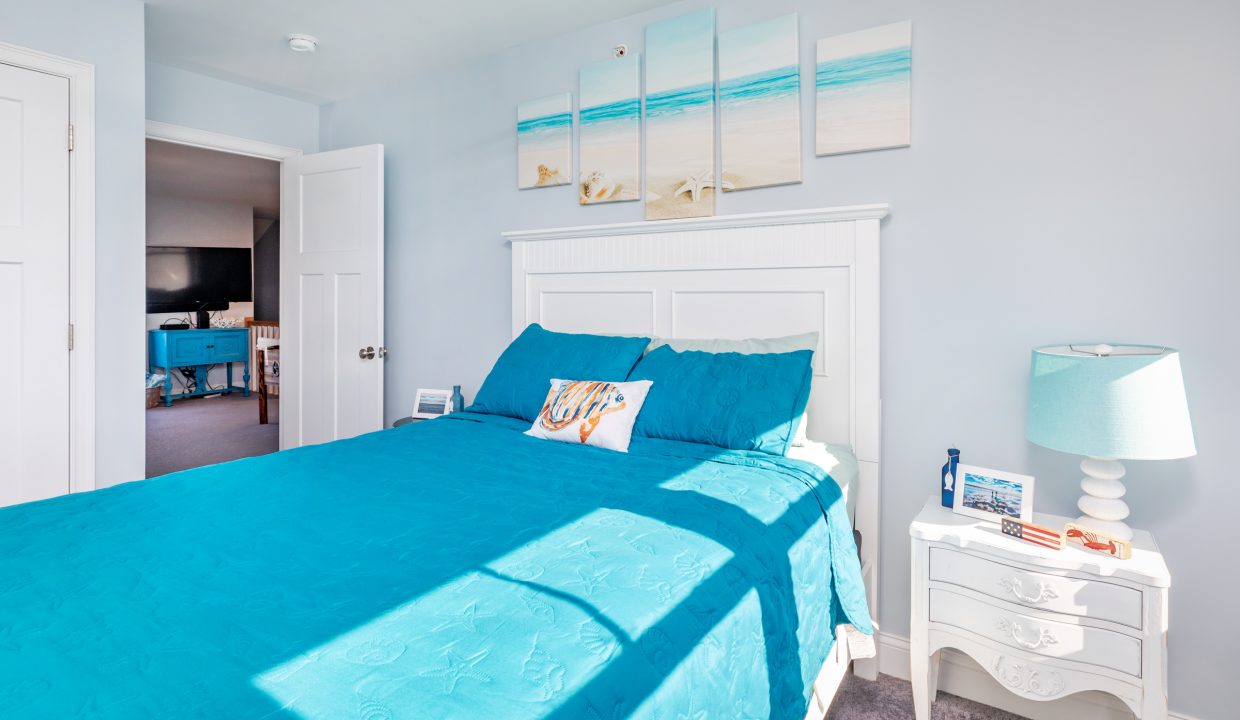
<point>331,304</point>
<point>229,346</point>
<point>34,285</point>
<point>189,348</point>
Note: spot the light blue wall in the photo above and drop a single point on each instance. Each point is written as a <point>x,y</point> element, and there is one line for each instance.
<point>185,98</point>
<point>1073,176</point>
<point>109,35</point>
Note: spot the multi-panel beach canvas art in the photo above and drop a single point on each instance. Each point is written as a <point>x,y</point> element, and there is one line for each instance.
<point>610,153</point>
<point>545,141</point>
<point>760,104</point>
<point>864,89</point>
<point>680,117</point>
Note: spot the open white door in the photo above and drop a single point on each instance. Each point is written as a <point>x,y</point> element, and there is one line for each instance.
<point>331,295</point>
<point>34,285</point>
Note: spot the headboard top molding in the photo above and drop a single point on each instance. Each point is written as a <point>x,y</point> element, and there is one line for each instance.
<point>763,219</point>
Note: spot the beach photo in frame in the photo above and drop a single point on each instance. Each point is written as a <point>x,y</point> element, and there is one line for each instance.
<point>864,90</point>
<point>610,129</point>
<point>993,494</point>
<point>680,117</point>
<point>760,104</point>
<point>431,403</point>
<point>545,141</point>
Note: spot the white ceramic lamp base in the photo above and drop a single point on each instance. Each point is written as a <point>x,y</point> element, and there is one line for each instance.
<point>1101,503</point>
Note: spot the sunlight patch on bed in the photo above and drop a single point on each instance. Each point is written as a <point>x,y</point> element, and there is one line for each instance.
<point>629,568</point>
<point>692,687</point>
<point>477,646</point>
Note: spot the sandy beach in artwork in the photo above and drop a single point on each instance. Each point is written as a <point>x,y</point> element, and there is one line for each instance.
<point>673,145</point>
<point>868,117</point>
<point>554,161</point>
<point>612,155</point>
<point>762,143</point>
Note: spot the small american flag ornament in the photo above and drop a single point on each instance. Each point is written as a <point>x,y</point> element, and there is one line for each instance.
<point>1036,534</point>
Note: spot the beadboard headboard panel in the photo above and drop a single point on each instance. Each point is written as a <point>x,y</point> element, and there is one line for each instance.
<point>737,276</point>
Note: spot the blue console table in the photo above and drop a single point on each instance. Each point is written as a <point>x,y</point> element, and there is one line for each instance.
<point>199,349</point>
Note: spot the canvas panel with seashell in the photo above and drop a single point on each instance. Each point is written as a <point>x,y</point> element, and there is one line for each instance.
<point>545,141</point>
<point>610,152</point>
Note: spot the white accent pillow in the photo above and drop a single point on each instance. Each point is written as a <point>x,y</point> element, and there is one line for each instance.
<point>751,346</point>
<point>591,412</point>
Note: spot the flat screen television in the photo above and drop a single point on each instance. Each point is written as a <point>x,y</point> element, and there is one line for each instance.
<point>197,279</point>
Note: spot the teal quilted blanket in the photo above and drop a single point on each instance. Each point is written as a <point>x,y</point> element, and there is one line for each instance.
<point>454,568</point>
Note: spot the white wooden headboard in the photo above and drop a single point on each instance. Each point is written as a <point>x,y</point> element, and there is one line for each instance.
<point>732,276</point>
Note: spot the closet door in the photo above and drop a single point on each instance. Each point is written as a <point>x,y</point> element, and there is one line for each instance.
<point>34,285</point>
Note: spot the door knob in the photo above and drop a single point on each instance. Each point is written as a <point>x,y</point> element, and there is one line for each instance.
<point>383,351</point>
<point>366,353</point>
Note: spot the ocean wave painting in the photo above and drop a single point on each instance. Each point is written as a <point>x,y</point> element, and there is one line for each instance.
<point>760,104</point>
<point>545,141</point>
<point>863,84</point>
<point>680,117</point>
<point>610,152</point>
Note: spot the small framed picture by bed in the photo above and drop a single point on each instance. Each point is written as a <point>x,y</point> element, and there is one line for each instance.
<point>432,403</point>
<point>993,494</point>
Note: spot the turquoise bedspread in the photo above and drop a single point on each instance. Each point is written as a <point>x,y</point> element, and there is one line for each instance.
<point>454,568</point>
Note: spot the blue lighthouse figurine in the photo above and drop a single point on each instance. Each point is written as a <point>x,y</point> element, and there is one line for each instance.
<point>948,488</point>
<point>458,400</point>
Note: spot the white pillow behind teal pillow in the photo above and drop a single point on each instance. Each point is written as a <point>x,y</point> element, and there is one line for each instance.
<point>750,346</point>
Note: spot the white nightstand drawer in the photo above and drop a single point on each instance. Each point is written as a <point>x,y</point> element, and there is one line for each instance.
<point>1053,593</point>
<point>1064,640</point>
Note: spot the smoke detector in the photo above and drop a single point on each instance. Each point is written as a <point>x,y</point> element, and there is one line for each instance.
<point>298,42</point>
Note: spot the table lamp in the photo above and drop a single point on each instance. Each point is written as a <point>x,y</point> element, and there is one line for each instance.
<point>1109,403</point>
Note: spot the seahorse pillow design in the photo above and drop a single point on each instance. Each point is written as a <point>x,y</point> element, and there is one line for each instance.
<point>591,412</point>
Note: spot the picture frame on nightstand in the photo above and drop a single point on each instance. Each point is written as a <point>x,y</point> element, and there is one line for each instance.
<point>431,403</point>
<point>993,494</point>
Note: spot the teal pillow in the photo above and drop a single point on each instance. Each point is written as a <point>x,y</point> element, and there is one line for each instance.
<point>731,400</point>
<point>517,385</point>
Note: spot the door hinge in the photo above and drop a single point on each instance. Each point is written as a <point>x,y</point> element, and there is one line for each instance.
<point>70,337</point>
<point>70,138</point>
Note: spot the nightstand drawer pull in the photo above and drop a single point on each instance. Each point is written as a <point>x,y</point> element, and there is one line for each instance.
<point>1016,631</point>
<point>1055,635</point>
<point>1082,597</point>
<point>1014,586</point>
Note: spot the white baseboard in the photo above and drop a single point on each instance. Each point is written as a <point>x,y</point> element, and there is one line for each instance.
<point>959,675</point>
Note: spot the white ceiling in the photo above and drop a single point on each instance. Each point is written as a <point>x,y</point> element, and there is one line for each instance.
<point>362,43</point>
<point>174,170</point>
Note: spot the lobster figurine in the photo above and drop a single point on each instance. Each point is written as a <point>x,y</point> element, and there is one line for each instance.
<point>1097,541</point>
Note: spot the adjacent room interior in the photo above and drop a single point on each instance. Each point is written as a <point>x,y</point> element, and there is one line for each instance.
<point>213,306</point>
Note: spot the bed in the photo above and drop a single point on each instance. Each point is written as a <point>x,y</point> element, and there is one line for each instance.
<point>460,568</point>
<point>383,576</point>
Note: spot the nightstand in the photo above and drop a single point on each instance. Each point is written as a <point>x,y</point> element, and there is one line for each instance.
<point>1044,623</point>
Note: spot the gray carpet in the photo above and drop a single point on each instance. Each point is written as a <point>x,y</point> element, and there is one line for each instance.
<point>204,431</point>
<point>890,698</point>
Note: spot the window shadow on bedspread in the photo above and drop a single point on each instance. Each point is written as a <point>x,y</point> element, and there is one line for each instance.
<point>359,578</point>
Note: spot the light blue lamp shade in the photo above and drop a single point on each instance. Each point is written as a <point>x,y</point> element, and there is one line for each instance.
<point>1124,402</point>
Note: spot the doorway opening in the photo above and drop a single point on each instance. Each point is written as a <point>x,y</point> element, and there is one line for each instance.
<point>212,314</point>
